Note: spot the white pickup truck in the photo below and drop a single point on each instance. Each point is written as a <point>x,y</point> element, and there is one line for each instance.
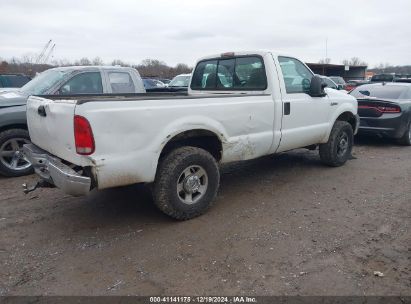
<point>239,106</point>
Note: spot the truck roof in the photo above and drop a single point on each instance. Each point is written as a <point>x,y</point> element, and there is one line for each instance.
<point>241,53</point>
<point>91,67</point>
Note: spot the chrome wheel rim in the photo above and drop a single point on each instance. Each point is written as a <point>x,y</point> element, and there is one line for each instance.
<point>342,145</point>
<point>192,184</point>
<point>11,155</point>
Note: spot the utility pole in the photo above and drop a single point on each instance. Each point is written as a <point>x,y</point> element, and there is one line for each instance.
<point>326,48</point>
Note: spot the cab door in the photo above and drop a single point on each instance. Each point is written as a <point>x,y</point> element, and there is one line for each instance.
<point>305,119</point>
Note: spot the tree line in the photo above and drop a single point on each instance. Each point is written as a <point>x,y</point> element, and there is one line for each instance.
<point>378,69</point>
<point>147,68</point>
<point>157,68</point>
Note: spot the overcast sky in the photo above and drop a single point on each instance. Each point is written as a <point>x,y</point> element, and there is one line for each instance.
<point>377,31</point>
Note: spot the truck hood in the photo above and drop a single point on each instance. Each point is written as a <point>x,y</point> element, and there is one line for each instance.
<point>339,95</point>
<point>12,98</point>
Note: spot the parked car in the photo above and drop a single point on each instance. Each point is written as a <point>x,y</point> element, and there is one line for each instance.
<point>350,85</point>
<point>391,77</point>
<point>165,80</point>
<point>339,81</point>
<point>180,81</point>
<point>150,83</point>
<point>385,110</point>
<point>331,84</point>
<point>383,78</point>
<point>403,79</point>
<point>13,81</point>
<point>176,142</point>
<point>84,80</point>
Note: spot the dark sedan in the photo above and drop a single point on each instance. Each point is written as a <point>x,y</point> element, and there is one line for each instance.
<point>13,80</point>
<point>352,84</point>
<point>385,110</point>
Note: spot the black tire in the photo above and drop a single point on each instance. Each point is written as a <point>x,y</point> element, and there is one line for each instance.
<point>332,153</point>
<point>169,176</point>
<point>406,138</point>
<point>5,137</point>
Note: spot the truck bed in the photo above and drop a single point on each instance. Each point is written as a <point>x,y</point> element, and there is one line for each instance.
<point>81,99</point>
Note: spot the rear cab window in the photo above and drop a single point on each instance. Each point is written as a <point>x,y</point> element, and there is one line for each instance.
<point>121,82</point>
<point>242,73</point>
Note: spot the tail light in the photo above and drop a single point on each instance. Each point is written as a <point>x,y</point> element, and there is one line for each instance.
<point>83,136</point>
<point>389,109</point>
<point>382,109</point>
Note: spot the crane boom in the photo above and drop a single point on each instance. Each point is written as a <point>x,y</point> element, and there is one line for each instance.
<point>46,58</point>
<point>43,51</point>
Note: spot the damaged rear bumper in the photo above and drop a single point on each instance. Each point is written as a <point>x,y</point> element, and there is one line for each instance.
<point>52,170</point>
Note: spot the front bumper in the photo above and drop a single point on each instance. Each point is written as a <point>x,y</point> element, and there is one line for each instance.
<point>52,170</point>
<point>387,125</point>
<point>357,123</point>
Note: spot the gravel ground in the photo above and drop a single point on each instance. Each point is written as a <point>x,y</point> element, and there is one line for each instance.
<point>282,225</point>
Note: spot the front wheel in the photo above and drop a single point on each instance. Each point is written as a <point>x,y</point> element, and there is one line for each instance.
<point>187,182</point>
<point>338,149</point>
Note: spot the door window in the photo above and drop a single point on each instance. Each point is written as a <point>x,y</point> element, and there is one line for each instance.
<point>121,82</point>
<point>297,77</point>
<point>84,83</point>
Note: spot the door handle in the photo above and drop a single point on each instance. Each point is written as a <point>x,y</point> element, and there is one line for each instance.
<point>287,108</point>
<point>41,110</point>
<point>334,104</point>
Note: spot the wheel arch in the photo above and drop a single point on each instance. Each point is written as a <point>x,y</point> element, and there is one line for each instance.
<point>345,115</point>
<point>13,126</point>
<point>200,138</point>
<point>349,117</point>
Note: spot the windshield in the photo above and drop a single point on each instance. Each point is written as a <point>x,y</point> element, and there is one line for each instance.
<point>44,81</point>
<point>180,81</point>
<point>383,92</point>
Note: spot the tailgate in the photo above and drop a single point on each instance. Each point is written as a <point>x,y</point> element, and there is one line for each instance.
<point>50,125</point>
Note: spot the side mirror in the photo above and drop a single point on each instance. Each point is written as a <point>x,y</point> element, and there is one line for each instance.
<point>317,87</point>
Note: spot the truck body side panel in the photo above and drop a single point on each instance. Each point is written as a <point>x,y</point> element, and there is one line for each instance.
<point>130,135</point>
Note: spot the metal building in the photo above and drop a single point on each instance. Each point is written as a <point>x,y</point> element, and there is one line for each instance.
<point>347,72</point>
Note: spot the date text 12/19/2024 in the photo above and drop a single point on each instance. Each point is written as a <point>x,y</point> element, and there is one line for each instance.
<point>203,299</point>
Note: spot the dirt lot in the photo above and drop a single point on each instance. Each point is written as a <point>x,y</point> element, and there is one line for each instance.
<point>281,225</point>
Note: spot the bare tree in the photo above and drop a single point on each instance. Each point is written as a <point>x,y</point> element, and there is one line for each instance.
<point>98,61</point>
<point>84,61</point>
<point>119,62</point>
<point>148,67</point>
<point>157,68</point>
<point>354,61</point>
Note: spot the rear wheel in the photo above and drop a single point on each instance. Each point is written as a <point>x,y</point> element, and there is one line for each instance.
<point>406,138</point>
<point>337,150</point>
<point>186,183</point>
<point>12,161</point>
